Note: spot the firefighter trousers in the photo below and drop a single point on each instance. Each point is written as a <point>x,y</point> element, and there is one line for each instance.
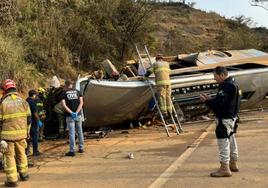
<point>15,160</point>
<point>61,120</point>
<point>164,98</point>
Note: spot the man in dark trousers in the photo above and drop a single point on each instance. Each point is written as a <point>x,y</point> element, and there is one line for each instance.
<point>41,110</point>
<point>72,101</point>
<point>36,122</point>
<point>225,106</point>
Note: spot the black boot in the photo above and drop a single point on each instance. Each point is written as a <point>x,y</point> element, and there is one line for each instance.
<point>70,154</point>
<point>24,177</point>
<point>11,184</point>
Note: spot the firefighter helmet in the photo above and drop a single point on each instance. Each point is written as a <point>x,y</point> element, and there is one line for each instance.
<point>41,90</point>
<point>8,84</point>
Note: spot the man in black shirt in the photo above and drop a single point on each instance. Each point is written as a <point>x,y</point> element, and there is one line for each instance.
<point>225,106</point>
<point>72,101</point>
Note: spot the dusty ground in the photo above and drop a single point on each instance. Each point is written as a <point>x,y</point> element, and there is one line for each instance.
<point>158,161</point>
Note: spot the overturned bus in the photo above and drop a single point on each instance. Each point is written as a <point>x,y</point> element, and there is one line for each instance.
<point>113,102</point>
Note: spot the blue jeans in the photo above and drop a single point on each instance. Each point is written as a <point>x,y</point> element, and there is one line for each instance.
<point>75,126</point>
<point>34,134</point>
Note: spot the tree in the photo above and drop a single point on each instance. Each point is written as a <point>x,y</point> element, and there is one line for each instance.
<point>131,24</point>
<point>242,20</point>
<point>260,3</point>
<point>192,4</point>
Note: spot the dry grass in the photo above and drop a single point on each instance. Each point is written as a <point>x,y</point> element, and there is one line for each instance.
<point>184,30</point>
<point>12,65</point>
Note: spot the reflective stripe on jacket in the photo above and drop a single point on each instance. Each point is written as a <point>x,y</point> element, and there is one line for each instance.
<point>40,107</point>
<point>13,117</point>
<point>161,70</point>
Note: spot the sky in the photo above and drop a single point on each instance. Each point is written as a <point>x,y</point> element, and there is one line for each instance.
<point>233,8</point>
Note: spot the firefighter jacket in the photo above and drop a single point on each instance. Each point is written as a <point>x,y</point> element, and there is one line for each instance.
<point>15,117</point>
<point>40,108</point>
<point>161,70</point>
<point>226,104</point>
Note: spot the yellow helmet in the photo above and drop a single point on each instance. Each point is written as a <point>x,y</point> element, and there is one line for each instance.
<point>41,90</point>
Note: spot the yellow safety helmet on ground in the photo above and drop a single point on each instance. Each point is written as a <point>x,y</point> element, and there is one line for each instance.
<point>41,90</point>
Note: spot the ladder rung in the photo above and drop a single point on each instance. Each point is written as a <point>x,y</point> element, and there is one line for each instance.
<point>171,125</point>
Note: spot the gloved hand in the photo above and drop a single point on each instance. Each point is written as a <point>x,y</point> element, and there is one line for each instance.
<point>3,146</point>
<point>74,115</point>
<point>39,123</point>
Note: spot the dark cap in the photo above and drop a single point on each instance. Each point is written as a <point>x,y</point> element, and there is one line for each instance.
<point>68,82</point>
<point>32,92</point>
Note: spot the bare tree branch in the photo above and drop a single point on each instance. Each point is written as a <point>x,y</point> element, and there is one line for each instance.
<point>259,3</point>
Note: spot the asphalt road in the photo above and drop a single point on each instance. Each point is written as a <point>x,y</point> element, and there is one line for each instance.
<point>180,161</point>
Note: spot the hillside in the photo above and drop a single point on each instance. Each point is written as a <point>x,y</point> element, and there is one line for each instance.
<point>39,39</point>
<point>182,29</point>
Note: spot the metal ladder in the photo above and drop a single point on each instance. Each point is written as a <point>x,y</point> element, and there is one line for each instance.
<point>175,121</point>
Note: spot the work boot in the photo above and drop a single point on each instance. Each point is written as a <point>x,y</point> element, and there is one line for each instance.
<point>11,184</point>
<point>24,177</point>
<point>233,166</point>
<point>223,171</point>
<point>61,136</point>
<point>70,154</point>
<point>40,139</point>
<point>37,153</point>
<point>165,115</point>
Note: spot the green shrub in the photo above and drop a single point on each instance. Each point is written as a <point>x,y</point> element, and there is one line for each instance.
<point>12,64</point>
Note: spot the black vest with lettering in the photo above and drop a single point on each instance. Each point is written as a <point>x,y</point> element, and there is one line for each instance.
<point>72,99</point>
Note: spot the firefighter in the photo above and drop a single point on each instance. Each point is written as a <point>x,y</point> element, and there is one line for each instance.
<point>42,94</point>
<point>41,110</point>
<point>59,110</point>
<point>55,122</point>
<point>161,70</point>
<point>15,122</point>
<point>226,107</point>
